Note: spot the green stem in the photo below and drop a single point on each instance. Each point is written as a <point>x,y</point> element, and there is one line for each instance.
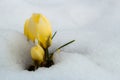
<point>46,54</point>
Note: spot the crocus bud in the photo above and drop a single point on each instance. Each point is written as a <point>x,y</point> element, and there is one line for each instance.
<point>38,27</point>
<point>37,54</point>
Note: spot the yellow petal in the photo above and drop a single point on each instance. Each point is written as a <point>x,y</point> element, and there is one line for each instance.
<point>38,27</point>
<point>26,27</point>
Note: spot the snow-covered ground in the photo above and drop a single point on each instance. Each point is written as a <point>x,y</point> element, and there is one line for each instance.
<point>94,24</point>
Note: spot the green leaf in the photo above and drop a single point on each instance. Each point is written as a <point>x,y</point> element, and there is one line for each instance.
<point>65,45</point>
<point>54,35</point>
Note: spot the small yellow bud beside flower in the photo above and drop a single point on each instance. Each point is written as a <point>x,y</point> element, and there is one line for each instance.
<point>38,27</point>
<point>37,54</point>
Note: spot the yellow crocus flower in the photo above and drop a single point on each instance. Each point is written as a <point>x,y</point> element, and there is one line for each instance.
<point>37,54</point>
<point>38,27</point>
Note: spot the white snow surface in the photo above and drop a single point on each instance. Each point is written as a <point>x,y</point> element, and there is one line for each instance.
<point>94,24</point>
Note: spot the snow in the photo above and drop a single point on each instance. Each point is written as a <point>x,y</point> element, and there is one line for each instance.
<point>94,24</point>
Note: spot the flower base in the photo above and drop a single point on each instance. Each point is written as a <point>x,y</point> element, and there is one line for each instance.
<point>48,58</point>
